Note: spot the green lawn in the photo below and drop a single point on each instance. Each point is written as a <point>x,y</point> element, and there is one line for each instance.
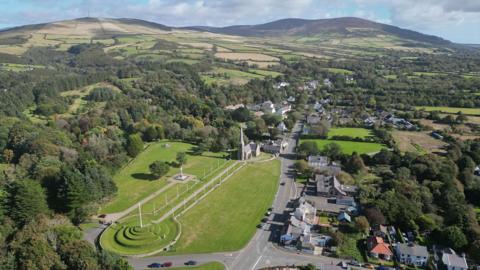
<point>206,266</point>
<point>226,220</point>
<point>135,182</point>
<point>471,111</point>
<point>128,238</point>
<point>348,147</point>
<point>351,132</point>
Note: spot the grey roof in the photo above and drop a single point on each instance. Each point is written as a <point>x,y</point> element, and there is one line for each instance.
<point>452,259</point>
<point>412,250</point>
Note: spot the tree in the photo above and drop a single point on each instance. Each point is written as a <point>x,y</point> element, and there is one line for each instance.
<point>28,200</point>
<point>454,237</point>
<point>308,148</point>
<point>320,129</point>
<point>302,167</point>
<point>8,155</point>
<point>355,163</point>
<point>361,224</point>
<point>150,134</point>
<point>241,115</point>
<point>79,255</point>
<point>134,145</point>
<point>375,216</point>
<point>181,158</point>
<point>333,151</point>
<point>159,168</point>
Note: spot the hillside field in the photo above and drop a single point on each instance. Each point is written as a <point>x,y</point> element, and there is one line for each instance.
<point>453,110</point>
<point>135,182</point>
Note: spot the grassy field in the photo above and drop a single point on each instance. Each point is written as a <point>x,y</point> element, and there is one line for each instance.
<point>470,111</point>
<point>348,147</point>
<point>135,182</point>
<point>351,132</point>
<point>246,56</point>
<point>206,266</point>
<point>265,72</point>
<point>225,76</point>
<point>420,142</point>
<point>226,220</point>
<point>340,71</point>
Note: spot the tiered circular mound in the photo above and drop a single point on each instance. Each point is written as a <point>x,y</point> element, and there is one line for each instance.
<point>128,238</point>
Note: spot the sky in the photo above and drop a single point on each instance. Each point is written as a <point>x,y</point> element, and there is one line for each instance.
<point>455,20</point>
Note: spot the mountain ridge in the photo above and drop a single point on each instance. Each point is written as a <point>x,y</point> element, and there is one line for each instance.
<point>289,27</point>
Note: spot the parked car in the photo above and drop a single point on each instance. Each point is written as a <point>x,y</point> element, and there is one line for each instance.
<point>260,225</point>
<point>155,265</point>
<point>355,263</point>
<point>191,262</point>
<point>167,264</point>
<point>369,266</point>
<point>282,183</point>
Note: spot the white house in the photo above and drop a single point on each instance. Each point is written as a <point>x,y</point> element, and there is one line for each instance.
<point>412,254</point>
<point>268,107</point>
<point>453,261</point>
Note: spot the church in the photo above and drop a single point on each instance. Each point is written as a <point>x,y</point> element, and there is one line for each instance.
<point>246,152</point>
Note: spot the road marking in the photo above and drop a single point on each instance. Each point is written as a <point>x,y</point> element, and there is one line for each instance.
<point>259,258</point>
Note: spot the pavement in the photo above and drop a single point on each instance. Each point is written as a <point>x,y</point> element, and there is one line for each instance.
<point>261,251</point>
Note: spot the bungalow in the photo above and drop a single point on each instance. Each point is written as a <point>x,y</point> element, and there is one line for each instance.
<point>282,127</point>
<point>344,217</point>
<point>291,99</point>
<point>377,248</point>
<point>412,254</point>
<point>453,261</point>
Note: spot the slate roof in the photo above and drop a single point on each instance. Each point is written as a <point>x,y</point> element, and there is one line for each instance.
<point>412,250</point>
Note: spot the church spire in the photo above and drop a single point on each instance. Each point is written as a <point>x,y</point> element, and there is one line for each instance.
<point>242,142</point>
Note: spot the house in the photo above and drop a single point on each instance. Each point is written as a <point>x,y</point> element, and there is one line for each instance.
<point>305,212</point>
<point>453,261</point>
<point>380,231</point>
<point>268,107</point>
<point>349,79</point>
<point>291,99</point>
<point>477,171</point>
<point>346,200</point>
<point>377,248</point>
<point>313,119</point>
<point>274,147</point>
<point>328,185</point>
<point>247,151</point>
<point>412,254</point>
<point>282,127</point>
<point>281,85</point>
<point>282,109</point>
<point>319,163</point>
<point>316,161</point>
<point>344,217</point>
<point>234,107</point>
<point>327,83</point>
<point>312,85</point>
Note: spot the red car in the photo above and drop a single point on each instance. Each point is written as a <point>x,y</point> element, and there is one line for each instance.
<point>167,264</point>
